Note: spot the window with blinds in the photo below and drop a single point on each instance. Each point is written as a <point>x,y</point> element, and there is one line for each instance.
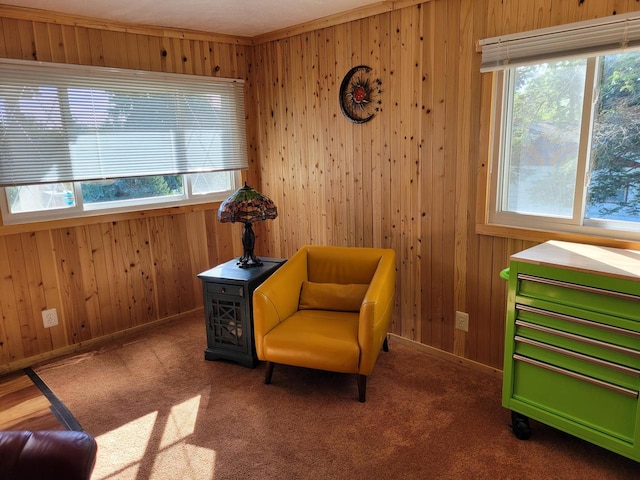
<point>87,138</point>
<point>565,154</point>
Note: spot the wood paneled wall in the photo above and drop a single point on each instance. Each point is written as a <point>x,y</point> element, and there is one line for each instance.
<point>408,178</point>
<point>405,180</point>
<point>107,275</point>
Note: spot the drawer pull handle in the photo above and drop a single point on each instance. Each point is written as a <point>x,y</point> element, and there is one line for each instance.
<point>581,321</point>
<point>582,288</point>
<point>624,391</point>
<point>578,338</point>
<point>579,356</point>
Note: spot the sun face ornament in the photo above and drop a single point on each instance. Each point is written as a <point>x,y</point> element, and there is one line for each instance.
<point>360,94</point>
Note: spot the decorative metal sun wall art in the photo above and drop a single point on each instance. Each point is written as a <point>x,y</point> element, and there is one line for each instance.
<point>360,94</point>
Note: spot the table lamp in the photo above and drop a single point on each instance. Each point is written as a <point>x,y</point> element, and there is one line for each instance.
<point>247,205</point>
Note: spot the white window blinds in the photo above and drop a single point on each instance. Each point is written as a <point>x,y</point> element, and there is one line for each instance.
<point>591,37</point>
<point>69,123</point>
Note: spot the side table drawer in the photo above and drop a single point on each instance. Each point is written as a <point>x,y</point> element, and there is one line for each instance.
<point>225,289</point>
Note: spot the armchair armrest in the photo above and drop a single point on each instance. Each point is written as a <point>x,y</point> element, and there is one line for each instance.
<point>376,311</point>
<point>277,297</point>
<point>47,454</point>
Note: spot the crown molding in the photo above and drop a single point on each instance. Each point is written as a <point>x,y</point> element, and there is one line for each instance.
<point>46,16</point>
<point>383,6</point>
<point>37,15</point>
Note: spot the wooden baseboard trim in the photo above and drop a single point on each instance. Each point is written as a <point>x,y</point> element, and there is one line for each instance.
<point>448,356</point>
<point>91,344</point>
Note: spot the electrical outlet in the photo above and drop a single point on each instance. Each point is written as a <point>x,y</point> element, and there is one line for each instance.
<point>50,318</point>
<point>462,321</point>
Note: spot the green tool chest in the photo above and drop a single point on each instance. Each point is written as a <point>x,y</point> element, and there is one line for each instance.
<point>572,343</point>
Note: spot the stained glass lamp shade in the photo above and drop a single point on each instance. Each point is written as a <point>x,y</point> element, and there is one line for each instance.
<point>247,205</point>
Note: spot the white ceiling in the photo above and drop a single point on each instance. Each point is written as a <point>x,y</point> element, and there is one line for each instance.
<point>246,18</point>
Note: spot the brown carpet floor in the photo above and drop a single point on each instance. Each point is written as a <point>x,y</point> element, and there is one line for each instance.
<point>160,411</point>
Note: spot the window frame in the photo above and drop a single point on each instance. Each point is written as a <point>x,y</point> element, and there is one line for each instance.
<point>115,207</point>
<point>519,225</point>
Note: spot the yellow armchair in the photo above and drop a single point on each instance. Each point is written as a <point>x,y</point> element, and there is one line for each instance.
<point>327,308</point>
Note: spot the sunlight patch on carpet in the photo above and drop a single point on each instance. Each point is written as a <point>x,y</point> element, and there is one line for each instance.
<point>196,463</point>
<point>126,446</point>
<point>181,422</point>
<point>153,445</point>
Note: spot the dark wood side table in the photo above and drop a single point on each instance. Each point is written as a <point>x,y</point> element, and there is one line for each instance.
<point>228,308</point>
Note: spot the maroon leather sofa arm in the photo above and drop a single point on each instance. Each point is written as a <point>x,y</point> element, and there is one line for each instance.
<point>48,454</point>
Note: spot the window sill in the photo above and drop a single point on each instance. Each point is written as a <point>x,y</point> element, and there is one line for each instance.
<point>534,235</point>
<point>105,218</point>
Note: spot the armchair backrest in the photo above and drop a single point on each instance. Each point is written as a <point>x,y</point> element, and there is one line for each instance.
<point>344,265</point>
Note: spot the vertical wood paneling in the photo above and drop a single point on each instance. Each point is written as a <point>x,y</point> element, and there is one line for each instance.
<point>198,253</point>
<point>3,48</point>
<point>84,48</point>
<point>376,153</point>
<point>18,249</point>
<point>425,256</point>
<point>96,48</point>
<point>52,297</point>
<point>410,175</point>
<point>106,278</point>
<point>467,68</point>
<point>41,42</point>
<point>407,180</point>
<point>75,273</point>
<point>144,54</point>
<point>36,302</point>
<point>11,346</point>
<point>436,204</point>
<point>111,275</point>
<point>171,273</point>
<point>90,296</point>
<point>12,34</point>
<point>133,265</point>
<point>340,158</point>
<point>58,47</point>
<point>70,44</point>
<point>100,240</point>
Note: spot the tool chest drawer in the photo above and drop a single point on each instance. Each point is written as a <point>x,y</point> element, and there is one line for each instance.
<point>611,411</point>
<point>615,373</point>
<point>614,345</point>
<point>572,343</point>
<point>622,302</point>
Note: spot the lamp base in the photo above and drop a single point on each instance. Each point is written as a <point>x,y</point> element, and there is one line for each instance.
<point>248,259</point>
<point>248,262</point>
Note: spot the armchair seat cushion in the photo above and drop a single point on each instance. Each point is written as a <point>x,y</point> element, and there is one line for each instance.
<point>320,339</point>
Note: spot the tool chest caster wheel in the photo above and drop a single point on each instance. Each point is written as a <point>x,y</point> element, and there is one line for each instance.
<point>520,426</point>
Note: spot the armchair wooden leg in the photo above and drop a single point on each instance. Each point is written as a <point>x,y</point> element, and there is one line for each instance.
<point>268,373</point>
<point>362,388</point>
<point>385,345</point>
